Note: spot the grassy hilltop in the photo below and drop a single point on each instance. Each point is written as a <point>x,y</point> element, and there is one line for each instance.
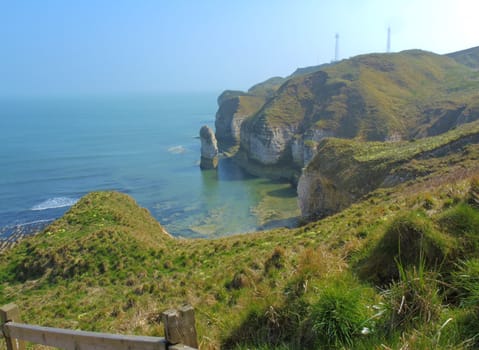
<point>374,96</point>
<point>395,268</point>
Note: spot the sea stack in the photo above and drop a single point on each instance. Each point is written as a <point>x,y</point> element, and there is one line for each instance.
<point>209,149</point>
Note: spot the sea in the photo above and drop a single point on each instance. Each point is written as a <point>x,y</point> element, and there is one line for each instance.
<point>54,150</point>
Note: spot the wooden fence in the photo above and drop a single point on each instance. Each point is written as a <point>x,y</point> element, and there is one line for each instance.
<point>180,333</point>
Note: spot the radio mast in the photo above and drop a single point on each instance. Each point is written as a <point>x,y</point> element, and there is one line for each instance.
<point>336,48</point>
<point>389,40</point>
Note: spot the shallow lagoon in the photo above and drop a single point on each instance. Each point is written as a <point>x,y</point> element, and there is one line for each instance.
<point>55,150</point>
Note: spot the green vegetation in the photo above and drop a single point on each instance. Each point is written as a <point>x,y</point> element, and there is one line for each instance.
<point>396,268</point>
<point>344,170</point>
<point>108,266</point>
<point>410,240</point>
<point>267,88</point>
<point>469,57</point>
<point>339,315</point>
<point>410,94</point>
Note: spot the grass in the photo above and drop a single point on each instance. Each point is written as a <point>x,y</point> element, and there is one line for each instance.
<point>349,169</point>
<point>373,96</point>
<point>413,299</point>
<point>409,96</point>
<point>339,316</point>
<point>409,240</point>
<point>466,279</point>
<point>392,152</point>
<point>108,266</point>
<point>392,267</point>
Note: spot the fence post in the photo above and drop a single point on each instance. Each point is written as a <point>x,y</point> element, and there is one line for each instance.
<point>10,313</point>
<point>180,326</point>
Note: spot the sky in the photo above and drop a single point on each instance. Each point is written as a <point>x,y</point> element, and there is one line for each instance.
<point>105,47</point>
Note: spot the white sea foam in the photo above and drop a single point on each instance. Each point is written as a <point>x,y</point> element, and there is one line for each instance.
<point>177,149</point>
<point>36,222</point>
<point>57,202</point>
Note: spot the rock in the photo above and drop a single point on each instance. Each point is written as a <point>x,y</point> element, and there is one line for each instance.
<point>230,116</point>
<point>319,196</point>
<point>228,94</point>
<point>265,143</point>
<point>334,178</point>
<point>209,148</point>
<point>303,148</point>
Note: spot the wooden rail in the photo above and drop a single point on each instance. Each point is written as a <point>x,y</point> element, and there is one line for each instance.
<point>180,333</point>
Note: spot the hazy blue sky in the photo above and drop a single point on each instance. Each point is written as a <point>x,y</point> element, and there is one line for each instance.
<point>116,46</point>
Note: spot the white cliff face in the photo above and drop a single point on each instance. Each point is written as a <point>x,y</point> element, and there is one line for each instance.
<point>267,144</point>
<point>224,120</point>
<point>297,151</point>
<point>303,149</point>
<point>231,115</point>
<point>318,196</point>
<point>209,148</point>
<point>235,126</point>
<point>305,189</point>
<point>309,151</point>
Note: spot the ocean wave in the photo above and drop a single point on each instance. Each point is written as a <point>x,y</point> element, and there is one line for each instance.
<point>36,222</point>
<point>177,149</point>
<point>11,232</point>
<point>57,202</point>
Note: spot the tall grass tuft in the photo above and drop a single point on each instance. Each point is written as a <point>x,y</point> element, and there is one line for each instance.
<point>276,261</point>
<point>412,300</point>
<point>462,221</point>
<point>338,316</point>
<point>473,196</point>
<point>466,280</point>
<point>406,239</point>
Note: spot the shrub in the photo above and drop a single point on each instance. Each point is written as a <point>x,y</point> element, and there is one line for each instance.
<point>313,264</point>
<point>276,260</point>
<point>406,239</point>
<point>240,280</point>
<point>338,316</point>
<point>462,221</point>
<point>272,325</point>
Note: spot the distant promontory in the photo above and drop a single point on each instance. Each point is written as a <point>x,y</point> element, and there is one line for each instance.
<point>277,127</point>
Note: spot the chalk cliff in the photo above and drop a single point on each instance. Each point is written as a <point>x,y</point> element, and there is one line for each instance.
<point>209,148</point>
<point>375,97</point>
<point>233,110</point>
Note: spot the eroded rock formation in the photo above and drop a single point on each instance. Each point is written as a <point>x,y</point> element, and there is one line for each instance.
<point>232,112</point>
<point>209,148</point>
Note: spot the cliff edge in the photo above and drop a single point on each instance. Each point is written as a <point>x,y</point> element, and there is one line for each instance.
<point>344,171</point>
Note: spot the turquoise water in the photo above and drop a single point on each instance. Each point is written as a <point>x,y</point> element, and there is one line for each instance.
<point>55,150</point>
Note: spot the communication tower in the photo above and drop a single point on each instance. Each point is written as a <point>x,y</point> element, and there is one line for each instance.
<point>389,40</point>
<point>336,48</point>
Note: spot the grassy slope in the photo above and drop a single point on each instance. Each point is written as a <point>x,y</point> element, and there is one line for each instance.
<point>372,96</point>
<point>383,154</point>
<point>108,266</point>
<point>345,170</point>
<point>469,57</point>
